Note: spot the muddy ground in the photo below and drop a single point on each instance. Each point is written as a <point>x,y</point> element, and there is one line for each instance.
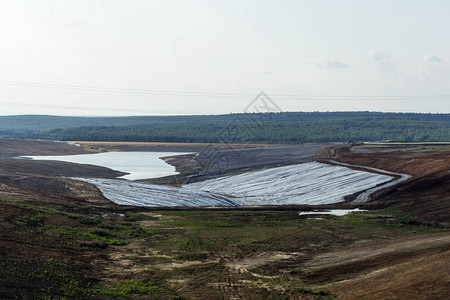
<point>60,238</point>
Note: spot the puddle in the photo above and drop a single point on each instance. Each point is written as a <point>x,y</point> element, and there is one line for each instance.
<point>334,212</point>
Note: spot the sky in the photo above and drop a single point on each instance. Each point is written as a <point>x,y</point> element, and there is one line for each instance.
<point>163,57</point>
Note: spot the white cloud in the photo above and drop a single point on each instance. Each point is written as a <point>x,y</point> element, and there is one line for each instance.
<point>377,56</point>
<point>330,63</point>
<point>381,61</point>
<point>433,59</point>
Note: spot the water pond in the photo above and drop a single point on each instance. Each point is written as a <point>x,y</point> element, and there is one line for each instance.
<point>139,165</point>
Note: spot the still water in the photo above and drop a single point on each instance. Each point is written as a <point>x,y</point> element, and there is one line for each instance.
<point>139,165</point>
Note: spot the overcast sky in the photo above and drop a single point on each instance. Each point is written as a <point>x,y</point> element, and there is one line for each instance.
<point>208,57</point>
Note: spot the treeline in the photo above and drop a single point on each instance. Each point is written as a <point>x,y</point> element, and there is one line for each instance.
<point>37,123</point>
<point>268,129</point>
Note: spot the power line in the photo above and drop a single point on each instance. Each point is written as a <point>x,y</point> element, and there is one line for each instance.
<point>70,107</point>
<point>117,90</point>
<point>218,94</point>
<point>213,60</point>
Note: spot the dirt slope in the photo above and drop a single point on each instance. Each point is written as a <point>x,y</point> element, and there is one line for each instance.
<point>411,268</point>
<point>425,197</point>
<point>10,148</point>
<point>16,147</point>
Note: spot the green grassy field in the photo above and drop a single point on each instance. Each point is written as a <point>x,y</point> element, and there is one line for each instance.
<point>83,252</point>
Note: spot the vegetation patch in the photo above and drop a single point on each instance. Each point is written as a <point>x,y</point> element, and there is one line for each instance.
<point>178,254</point>
<point>131,288</point>
<point>283,127</point>
<point>41,279</point>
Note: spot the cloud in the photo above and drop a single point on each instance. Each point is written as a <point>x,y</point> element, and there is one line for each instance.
<point>377,56</point>
<point>68,21</point>
<point>432,59</point>
<point>381,61</point>
<point>330,63</point>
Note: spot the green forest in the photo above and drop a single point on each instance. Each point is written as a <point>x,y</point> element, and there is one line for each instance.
<point>285,127</point>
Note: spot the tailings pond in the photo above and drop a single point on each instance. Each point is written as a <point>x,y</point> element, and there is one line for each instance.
<point>310,183</point>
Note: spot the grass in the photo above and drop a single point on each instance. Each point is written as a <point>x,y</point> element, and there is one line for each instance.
<point>319,293</point>
<point>410,146</point>
<point>38,279</point>
<point>202,242</point>
<point>51,279</point>
<point>398,214</point>
<point>132,288</point>
<point>239,233</point>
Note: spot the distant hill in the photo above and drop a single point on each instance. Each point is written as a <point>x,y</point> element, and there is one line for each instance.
<point>285,127</point>
<point>44,122</point>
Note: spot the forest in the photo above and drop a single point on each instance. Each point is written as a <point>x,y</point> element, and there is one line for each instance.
<point>285,127</point>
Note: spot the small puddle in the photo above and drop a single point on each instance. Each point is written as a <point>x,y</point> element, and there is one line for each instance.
<point>334,212</point>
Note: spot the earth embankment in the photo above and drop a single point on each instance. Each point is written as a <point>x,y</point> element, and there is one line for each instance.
<point>425,197</point>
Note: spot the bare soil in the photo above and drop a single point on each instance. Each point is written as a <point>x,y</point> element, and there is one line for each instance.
<point>425,197</point>
<point>55,168</point>
<point>17,147</point>
<point>412,269</point>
